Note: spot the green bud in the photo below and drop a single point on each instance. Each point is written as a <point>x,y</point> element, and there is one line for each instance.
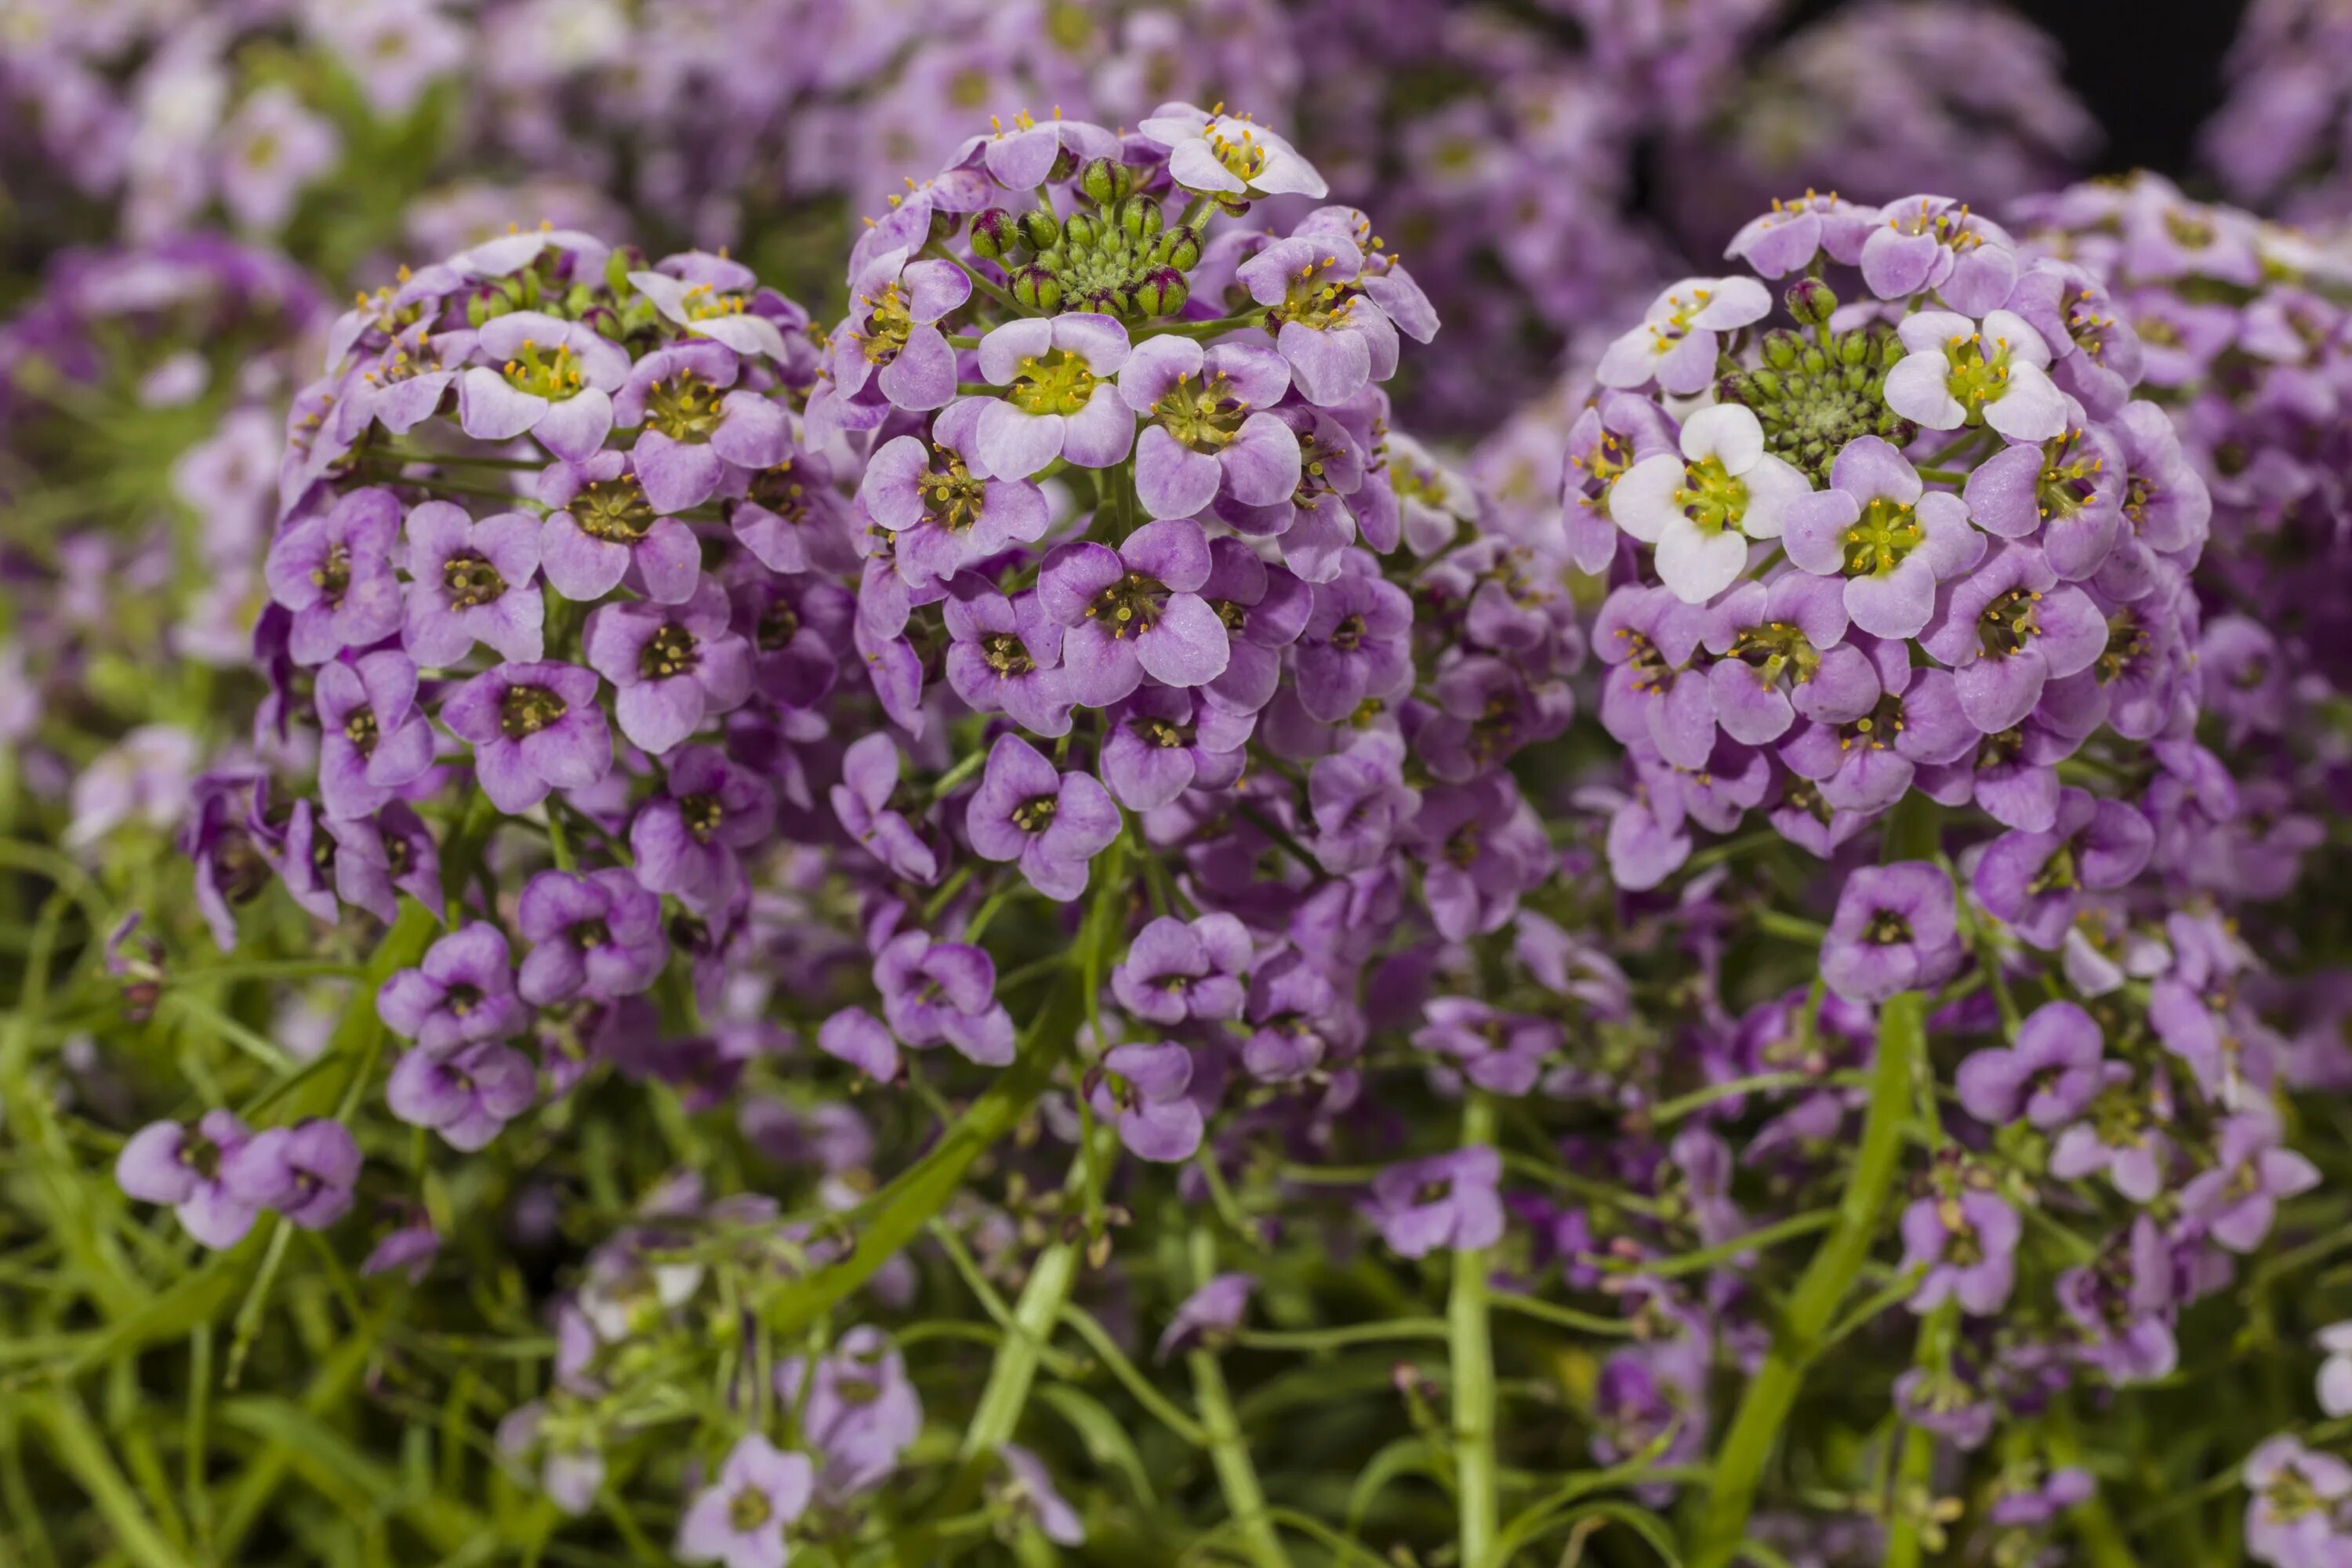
<point>993,234</point>
<point>617,268</point>
<point>1810,301</point>
<point>1037,289</point>
<point>1141,216</point>
<point>1083,231</point>
<point>1178,248</point>
<point>943,226</point>
<point>1039,229</point>
<point>1782,348</point>
<point>1066,163</point>
<point>1815,361</point>
<point>1856,349</point>
<point>1161,293</point>
<point>1104,180</point>
<point>477,310</point>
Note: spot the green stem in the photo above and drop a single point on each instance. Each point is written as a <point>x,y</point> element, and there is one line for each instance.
<point>1470,1352</point>
<point>1016,1369</point>
<point>1764,1410</point>
<point>1228,1452</point>
<point>1913,1495</point>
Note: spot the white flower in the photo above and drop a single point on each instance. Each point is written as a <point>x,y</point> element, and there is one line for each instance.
<point>1675,343</point>
<point>1211,151</point>
<point>1701,509</point>
<point>1958,373</point>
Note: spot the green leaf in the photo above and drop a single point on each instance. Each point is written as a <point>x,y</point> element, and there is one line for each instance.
<point>1399,1457</point>
<point>77,1445</point>
<point>1107,1441</point>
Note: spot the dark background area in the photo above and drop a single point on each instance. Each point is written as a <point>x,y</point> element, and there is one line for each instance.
<point>2149,70</point>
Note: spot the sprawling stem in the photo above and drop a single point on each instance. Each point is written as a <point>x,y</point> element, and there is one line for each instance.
<point>1470,1351</point>
<point>1228,1452</point>
<point>1008,1380</point>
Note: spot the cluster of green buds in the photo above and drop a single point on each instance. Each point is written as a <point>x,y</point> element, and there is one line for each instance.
<point>1117,254</point>
<point>612,305</point>
<point>1816,390</point>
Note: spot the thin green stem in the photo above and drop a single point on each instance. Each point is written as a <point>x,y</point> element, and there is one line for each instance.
<point>1228,1453</point>
<point>1764,1410</point>
<point>1014,1370</point>
<point>1470,1353</point>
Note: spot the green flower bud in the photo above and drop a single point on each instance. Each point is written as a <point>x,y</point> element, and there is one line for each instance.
<point>1104,181</point>
<point>993,234</point>
<point>1083,231</point>
<point>1810,301</point>
<point>1178,248</point>
<point>1039,229</point>
<point>1142,217</point>
<point>1037,289</point>
<point>1066,163</point>
<point>1782,348</point>
<point>1161,293</point>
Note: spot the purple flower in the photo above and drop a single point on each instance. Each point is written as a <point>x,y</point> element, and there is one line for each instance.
<point>1357,644</point>
<point>892,336</point>
<point>1175,971</point>
<point>1967,1245</point>
<point>1877,527</point>
<point>869,777</point>
<point>1782,651</point>
<point>1052,823</point>
<point>685,838</point>
<point>472,581</point>
<point>1335,337</point>
<point>272,148</point>
<point>739,1520</point>
<point>718,298</point>
<point>2119,1137</point>
<point>381,857</point>
<point>335,573</point>
<point>693,426</point>
<point>1647,637</point>
<point>1207,1317</point>
<point>1213,151</point>
<point>1208,432</point>
<point>1447,1201</point>
<point>1005,656</point>
<point>1502,1052</point>
<point>534,728</point>
<point>672,667</point>
<point>1163,742</point>
<point>603,530</point>
<point>2035,881</point>
<point>1028,154</point>
<point>598,932</point>
<point>1359,804</point>
<point>1934,242</point>
<point>165,1163</point>
<point>412,1249</point>
<point>1026,1488</point>
<point>1134,611</point>
<point>2238,1198</point>
<point>1143,1089</point>
<point>548,378</point>
<point>467,1095</point>
<point>1060,400</point>
<point>1295,1018</point>
<point>861,1412</point>
<point>1480,848</point>
<point>2007,629</point>
<point>2068,489</point>
<point>1895,930</point>
<point>857,1036</point>
<point>2052,1073</point>
<point>946,514</point>
<point>2291,1513</point>
<point>936,993</point>
<point>1265,609</point>
<point>373,738</point>
<point>463,991</point>
<point>305,1171</point>
<point>1676,343</point>
<point>1958,373</point>
<point>1787,238</point>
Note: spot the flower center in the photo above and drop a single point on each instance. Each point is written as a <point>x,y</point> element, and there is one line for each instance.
<point>668,652</point>
<point>684,407</point>
<point>702,814</point>
<point>1318,305</point>
<point>333,575</point>
<point>614,510</point>
<point>1349,635</point>
<point>887,326</point>
<point>748,1510</point>
<point>1775,649</point>
<point>2057,873</point>
<point>781,491</point>
<point>1887,929</point>
<point>2007,623</point>
<point>1006,654</point>
<point>1160,733</point>
<point>1875,730</point>
<point>1977,375</point>
<point>1881,538</point>
<point>360,730</point>
<point>528,710</point>
<point>461,999</point>
<point>470,581</point>
<point>1711,497</point>
<point>1056,382</point>
<point>1201,418</point>
<point>1130,606</point>
<point>592,934</point>
<point>954,496</point>
<point>202,1155</point>
<point>702,304</point>
<point>2068,477</point>
<point>540,375</point>
<point>1037,814</point>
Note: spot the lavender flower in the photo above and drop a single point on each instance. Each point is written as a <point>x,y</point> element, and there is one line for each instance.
<point>1444,1201</point>
<point>739,1519</point>
<point>1894,931</point>
<point>165,1163</point>
<point>1052,823</point>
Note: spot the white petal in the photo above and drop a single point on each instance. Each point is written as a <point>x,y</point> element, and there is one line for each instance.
<point>1732,303</point>
<point>1933,329</point>
<point>2024,343</point>
<point>1773,488</point>
<point>1697,566</point>
<point>1919,388</point>
<point>1643,502</point>
<point>1727,431</point>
